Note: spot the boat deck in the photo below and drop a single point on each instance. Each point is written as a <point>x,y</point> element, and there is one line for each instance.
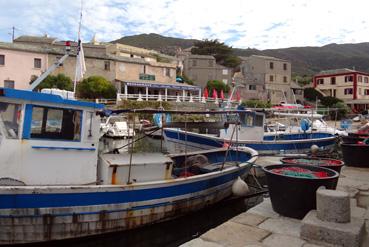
<point>261,226</point>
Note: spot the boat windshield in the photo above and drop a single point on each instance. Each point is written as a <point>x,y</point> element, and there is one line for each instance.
<point>9,119</point>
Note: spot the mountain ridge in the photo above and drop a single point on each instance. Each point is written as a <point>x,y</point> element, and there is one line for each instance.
<point>305,60</point>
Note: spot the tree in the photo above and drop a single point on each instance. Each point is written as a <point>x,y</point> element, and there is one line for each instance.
<point>329,101</point>
<point>218,85</point>
<point>255,103</point>
<point>312,94</point>
<point>223,53</point>
<point>341,108</point>
<point>96,87</point>
<point>59,81</point>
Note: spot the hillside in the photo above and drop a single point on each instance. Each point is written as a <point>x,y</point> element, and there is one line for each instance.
<point>156,42</point>
<point>305,60</point>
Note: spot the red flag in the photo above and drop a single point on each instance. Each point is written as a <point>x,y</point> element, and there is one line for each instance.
<point>238,96</point>
<point>206,93</point>
<point>215,94</point>
<point>221,94</point>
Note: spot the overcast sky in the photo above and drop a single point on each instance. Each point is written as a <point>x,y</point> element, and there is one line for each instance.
<point>260,24</point>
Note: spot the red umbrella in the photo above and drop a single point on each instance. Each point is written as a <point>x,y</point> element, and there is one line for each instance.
<point>221,94</point>
<point>215,94</point>
<point>206,93</point>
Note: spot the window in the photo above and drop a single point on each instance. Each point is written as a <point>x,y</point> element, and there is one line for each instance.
<point>2,59</point>
<point>349,78</point>
<point>359,91</point>
<point>320,81</point>
<point>211,63</point>
<point>271,78</point>
<point>9,119</point>
<point>271,65</point>
<point>225,72</point>
<point>194,63</point>
<point>107,65</point>
<point>252,87</point>
<point>259,120</point>
<point>333,80</point>
<point>131,55</point>
<point>284,78</point>
<point>348,91</point>
<point>37,63</point>
<point>366,92</point>
<point>365,79</point>
<point>56,123</point>
<point>284,66</point>
<point>167,72</point>
<point>9,84</point>
<point>360,78</point>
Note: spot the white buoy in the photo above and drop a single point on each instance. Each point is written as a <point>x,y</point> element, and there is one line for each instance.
<point>178,99</point>
<point>240,188</point>
<point>314,149</point>
<point>139,97</point>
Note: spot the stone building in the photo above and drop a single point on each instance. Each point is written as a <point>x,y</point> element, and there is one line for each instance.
<point>132,70</point>
<point>266,78</point>
<point>203,68</point>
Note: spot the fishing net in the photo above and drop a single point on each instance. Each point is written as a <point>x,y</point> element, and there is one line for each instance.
<point>299,172</point>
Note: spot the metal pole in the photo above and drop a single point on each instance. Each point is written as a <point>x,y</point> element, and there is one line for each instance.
<point>13,28</point>
<point>131,154</point>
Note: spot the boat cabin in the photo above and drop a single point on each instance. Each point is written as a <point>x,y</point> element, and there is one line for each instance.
<point>251,126</point>
<point>47,140</point>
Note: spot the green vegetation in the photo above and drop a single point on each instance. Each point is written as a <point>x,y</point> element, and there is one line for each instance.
<point>329,101</point>
<point>218,85</point>
<point>342,110</point>
<point>59,81</point>
<point>186,79</point>
<point>95,87</point>
<point>223,53</point>
<point>255,103</point>
<point>302,80</point>
<point>312,94</point>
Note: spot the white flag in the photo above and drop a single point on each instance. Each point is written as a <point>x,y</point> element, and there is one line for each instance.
<point>81,65</point>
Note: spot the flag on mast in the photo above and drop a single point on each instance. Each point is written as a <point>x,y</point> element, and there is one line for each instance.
<point>81,65</point>
<point>80,62</point>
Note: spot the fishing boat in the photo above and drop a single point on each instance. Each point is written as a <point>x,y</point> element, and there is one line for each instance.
<point>55,185</point>
<point>246,129</point>
<point>116,127</point>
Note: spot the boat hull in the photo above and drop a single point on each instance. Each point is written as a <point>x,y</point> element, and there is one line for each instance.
<point>271,146</point>
<point>38,214</point>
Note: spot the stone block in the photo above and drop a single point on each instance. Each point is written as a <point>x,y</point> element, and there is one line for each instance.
<point>282,225</point>
<point>235,234</point>
<point>333,205</point>
<point>198,242</point>
<point>265,209</point>
<point>341,234</point>
<point>280,240</point>
<point>358,212</point>
<point>363,187</point>
<point>249,219</point>
<point>363,199</point>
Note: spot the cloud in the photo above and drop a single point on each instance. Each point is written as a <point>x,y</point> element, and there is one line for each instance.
<point>261,24</point>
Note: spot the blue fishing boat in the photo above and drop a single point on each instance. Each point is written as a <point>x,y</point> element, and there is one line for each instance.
<point>246,129</point>
<point>54,183</point>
